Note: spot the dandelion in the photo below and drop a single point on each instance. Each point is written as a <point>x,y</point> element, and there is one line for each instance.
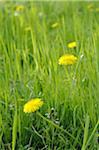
<point>55,25</point>
<point>67,59</point>
<point>19,8</point>
<point>33,105</point>
<point>72,45</point>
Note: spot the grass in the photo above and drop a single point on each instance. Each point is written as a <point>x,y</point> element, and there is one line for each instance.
<point>30,48</point>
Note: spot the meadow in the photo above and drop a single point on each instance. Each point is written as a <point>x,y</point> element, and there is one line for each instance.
<point>33,38</point>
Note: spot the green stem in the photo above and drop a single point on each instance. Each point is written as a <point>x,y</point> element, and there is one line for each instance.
<point>56,126</point>
<point>92,133</point>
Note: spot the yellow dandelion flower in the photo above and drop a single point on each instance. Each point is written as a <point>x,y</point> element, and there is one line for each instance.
<point>33,105</point>
<point>67,59</point>
<point>19,8</point>
<point>72,45</point>
<point>55,25</point>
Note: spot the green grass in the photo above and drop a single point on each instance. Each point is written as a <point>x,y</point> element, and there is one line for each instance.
<point>69,118</point>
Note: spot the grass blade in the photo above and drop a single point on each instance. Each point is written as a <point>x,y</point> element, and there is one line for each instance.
<point>14,131</point>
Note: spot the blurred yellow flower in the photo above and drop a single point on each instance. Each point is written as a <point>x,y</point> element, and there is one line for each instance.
<point>67,59</point>
<point>90,6</point>
<point>55,25</point>
<point>19,8</point>
<point>33,105</point>
<point>97,9</point>
<point>72,45</point>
